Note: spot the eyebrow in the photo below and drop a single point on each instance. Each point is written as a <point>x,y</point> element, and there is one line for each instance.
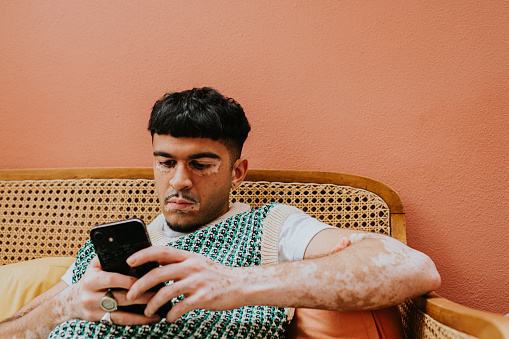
<point>191,157</point>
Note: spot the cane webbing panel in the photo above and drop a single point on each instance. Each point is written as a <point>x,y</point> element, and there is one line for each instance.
<point>44,218</point>
<point>53,218</point>
<point>339,206</point>
<point>419,325</point>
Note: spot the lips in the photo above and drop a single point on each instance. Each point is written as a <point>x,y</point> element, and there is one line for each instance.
<point>180,204</point>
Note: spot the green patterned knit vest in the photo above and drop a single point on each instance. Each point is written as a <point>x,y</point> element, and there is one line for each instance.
<point>234,242</point>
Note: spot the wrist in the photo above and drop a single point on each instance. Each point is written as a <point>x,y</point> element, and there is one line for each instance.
<point>65,305</point>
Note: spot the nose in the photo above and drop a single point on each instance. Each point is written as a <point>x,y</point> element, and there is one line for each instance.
<point>181,179</point>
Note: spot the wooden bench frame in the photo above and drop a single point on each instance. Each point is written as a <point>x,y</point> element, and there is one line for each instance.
<point>460,318</point>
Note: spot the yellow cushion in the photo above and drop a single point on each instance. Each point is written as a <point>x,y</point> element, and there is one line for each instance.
<point>21,282</point>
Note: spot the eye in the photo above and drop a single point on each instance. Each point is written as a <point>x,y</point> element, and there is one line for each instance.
<point>167,163</point>
<point>199,166</point>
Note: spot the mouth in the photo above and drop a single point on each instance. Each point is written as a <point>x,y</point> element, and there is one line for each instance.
<point>180,205</point>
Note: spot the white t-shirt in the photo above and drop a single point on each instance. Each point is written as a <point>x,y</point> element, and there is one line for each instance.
<point>296,233</point>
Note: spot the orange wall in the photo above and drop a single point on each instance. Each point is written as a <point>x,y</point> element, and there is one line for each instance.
<point>414,95</point>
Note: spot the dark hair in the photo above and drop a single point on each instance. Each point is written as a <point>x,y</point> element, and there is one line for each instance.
<point>201,113</point>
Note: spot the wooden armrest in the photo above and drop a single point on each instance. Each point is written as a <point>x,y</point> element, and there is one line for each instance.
<point>477,323</point>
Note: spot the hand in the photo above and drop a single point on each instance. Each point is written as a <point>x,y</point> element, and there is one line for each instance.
<point>93,286</point>
<point>204,283</point>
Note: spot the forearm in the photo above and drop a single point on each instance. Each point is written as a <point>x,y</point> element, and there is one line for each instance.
<point>374,273</point>
<point>39,318</point>
<point>371,272</point>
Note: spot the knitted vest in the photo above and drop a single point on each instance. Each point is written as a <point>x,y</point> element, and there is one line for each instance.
<point>236,242</point>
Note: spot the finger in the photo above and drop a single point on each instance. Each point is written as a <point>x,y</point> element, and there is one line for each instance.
<point>100,279</point>
<point>164,295</point>
<point>120,297</point>
<point>164,255</point>
<point>106,280</point>
<point>94,263</point>
<point>126,318</point>
<point>156,276</point>
<point>179,309</point>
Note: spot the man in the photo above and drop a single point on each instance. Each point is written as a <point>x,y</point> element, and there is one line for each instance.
<point>233,271</point>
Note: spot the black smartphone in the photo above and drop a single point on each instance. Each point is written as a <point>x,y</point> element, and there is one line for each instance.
<point>114,243</point>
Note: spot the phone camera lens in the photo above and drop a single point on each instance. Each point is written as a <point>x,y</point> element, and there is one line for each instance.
<point>100,237</point>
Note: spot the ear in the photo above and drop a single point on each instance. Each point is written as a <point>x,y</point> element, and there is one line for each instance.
<point>239,172</point>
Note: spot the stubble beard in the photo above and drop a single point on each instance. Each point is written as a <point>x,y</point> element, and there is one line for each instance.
<point>183,227</point>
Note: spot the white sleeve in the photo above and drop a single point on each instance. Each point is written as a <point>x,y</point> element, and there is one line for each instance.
<point>67,277</point>
<point>296,233</point>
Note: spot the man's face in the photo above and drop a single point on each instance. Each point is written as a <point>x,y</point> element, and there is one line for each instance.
<point>193,179</point>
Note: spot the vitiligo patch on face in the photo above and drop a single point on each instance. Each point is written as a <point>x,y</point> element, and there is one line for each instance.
<point>162,169</point>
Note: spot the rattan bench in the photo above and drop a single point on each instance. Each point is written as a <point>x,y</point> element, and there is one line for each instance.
<point>49,212</point>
